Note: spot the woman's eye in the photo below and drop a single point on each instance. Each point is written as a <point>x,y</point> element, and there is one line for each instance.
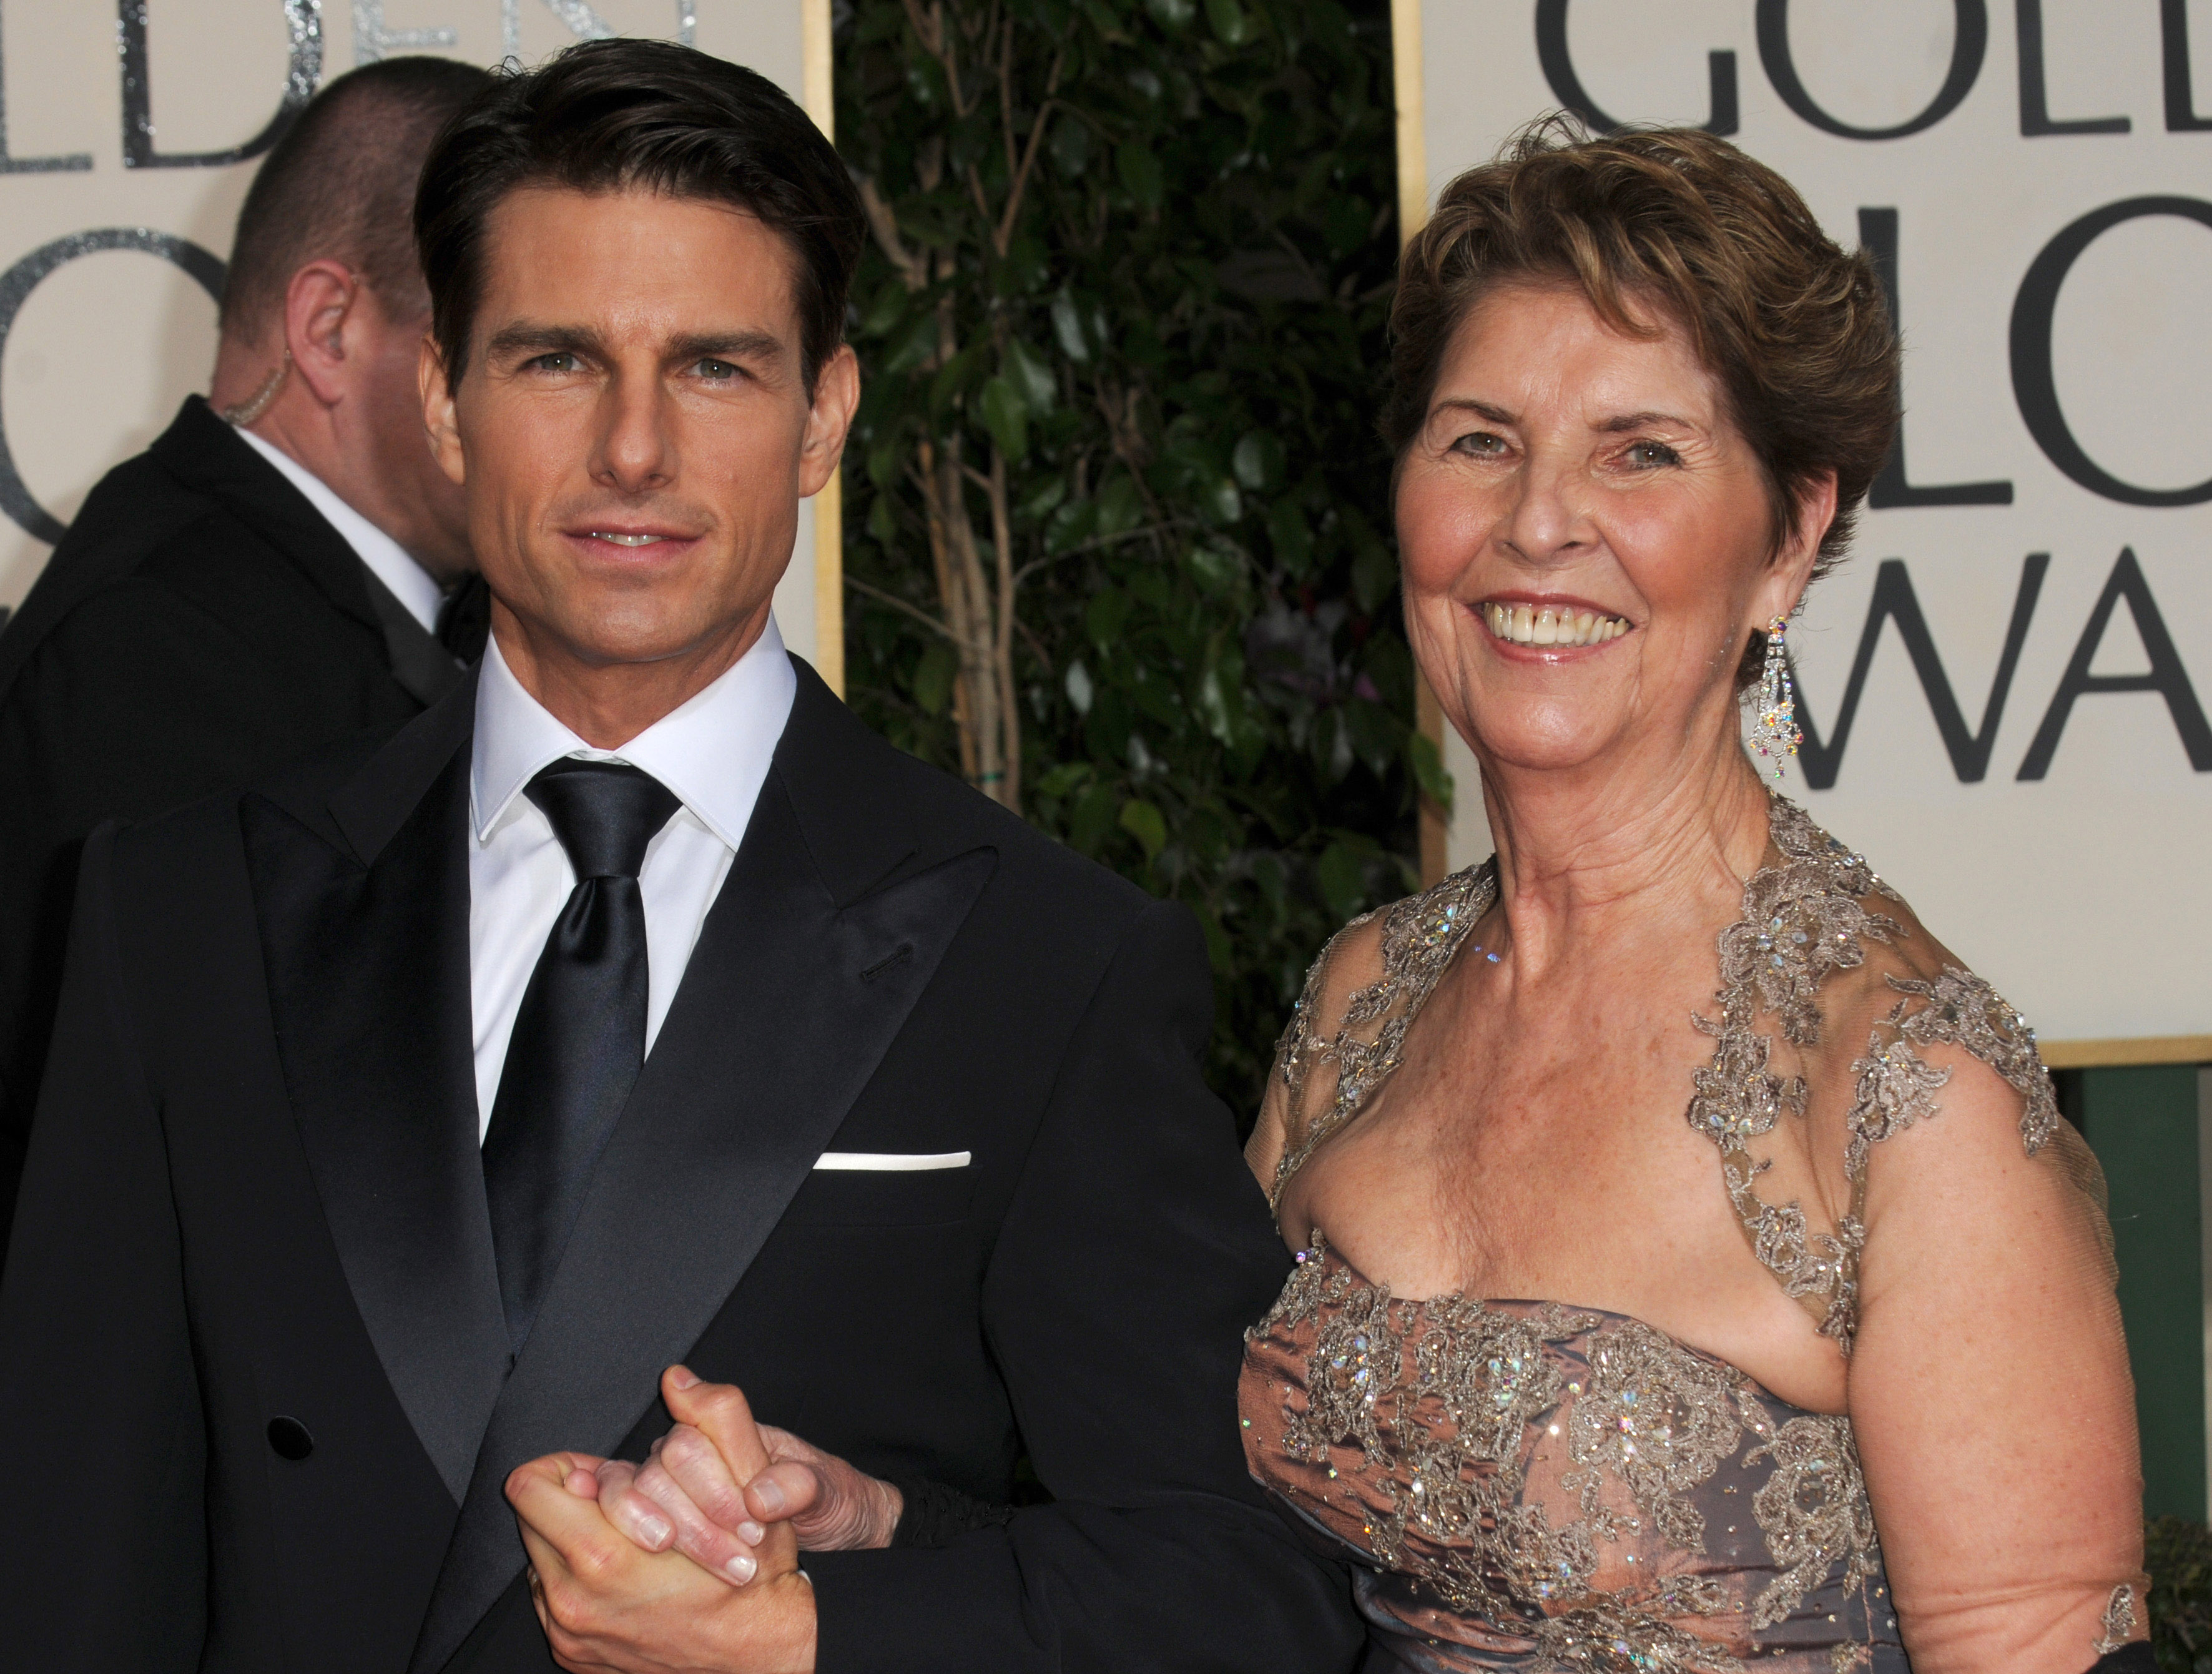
<point>1645,454</point>
<point>1481,443</point>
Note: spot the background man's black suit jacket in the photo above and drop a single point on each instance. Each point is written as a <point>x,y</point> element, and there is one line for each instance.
<point>254,1191</point>
<point>200,624</point>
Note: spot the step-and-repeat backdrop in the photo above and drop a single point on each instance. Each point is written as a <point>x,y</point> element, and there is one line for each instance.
<point>2005,692</point>
<point>130,130</point>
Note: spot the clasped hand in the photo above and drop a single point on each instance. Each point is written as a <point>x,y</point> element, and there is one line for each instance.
<point>691,1561</point>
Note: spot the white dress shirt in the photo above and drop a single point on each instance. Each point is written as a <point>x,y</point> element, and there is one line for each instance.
<point>387,560</point>
<point>712,753</point>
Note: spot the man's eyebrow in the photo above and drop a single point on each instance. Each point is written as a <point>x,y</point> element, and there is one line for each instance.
<point>1643,421</point>
<point>539,338</point>
<point>726,346</point>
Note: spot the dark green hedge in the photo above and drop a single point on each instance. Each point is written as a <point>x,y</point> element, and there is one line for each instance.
<point>1122,332</point>
<point>2178,1554</point>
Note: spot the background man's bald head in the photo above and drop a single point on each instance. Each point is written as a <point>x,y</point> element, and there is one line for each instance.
<point>340,185</point>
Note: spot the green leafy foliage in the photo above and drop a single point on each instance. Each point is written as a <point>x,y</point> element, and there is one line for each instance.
<point>1158,238</point>
<point>2178,1554</point>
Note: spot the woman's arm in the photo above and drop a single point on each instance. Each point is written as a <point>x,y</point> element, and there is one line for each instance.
<point>1990,1394</point>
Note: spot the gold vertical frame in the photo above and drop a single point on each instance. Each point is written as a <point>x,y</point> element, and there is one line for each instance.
<point>818,94</point>
<point>1412,215</point>
<point>1412,137</point>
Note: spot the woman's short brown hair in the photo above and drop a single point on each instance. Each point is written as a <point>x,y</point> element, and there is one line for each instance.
<point>1795,330</point>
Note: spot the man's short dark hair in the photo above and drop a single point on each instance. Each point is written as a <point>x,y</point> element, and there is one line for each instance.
<point>621,115</point>
<point>340,184</point>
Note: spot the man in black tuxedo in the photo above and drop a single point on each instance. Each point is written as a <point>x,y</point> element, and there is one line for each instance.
<point>243,591</point>
<point>409,1112</point>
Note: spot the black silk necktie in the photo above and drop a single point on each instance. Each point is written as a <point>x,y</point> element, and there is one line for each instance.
<point>579,1040</point>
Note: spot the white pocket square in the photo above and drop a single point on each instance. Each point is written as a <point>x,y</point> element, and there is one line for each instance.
<point>890,1162</point>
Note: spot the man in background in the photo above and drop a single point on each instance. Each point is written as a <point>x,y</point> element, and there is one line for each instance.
<point>283,567</point>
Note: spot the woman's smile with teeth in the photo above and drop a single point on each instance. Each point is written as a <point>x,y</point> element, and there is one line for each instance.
<point>1524,624</point>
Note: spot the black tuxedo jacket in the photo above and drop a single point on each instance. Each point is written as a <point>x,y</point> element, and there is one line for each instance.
<point>254,1193</point>
<point>200,624</point>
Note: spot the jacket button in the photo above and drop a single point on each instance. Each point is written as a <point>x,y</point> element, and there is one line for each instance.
<point>290,1437</point>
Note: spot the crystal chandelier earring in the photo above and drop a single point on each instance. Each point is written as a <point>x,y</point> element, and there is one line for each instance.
<point>1775,735</point>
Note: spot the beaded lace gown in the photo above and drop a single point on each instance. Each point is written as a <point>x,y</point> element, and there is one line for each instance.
<point>1532,1486</point>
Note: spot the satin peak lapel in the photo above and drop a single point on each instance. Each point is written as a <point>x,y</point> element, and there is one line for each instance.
<point>365,932</point>
<point>786,1006</point>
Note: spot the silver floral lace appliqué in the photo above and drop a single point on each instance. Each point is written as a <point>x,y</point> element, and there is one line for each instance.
<point>1441,1399</point>
<point>2119,1624</point>
<point>1803,919</point>
<point>1421,933</point>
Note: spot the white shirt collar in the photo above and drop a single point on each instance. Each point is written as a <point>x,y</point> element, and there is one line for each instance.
<point>713,751</point>
<point>387,559</point>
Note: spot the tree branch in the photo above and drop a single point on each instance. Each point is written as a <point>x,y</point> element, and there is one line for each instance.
<point>1009,706</point>
<point>937,41</point>
<point>883,223</point>
<point>1036,644</point>
<point>1098,543</point>
<point>926,28</point>
<point>899,604</point>
<point>1006,94</point>
<point>1005,230</point>
<point>975,190</point>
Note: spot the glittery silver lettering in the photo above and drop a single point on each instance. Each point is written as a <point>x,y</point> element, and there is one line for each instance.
<point>20,281</point>
<point>373,38</point>
<point>584,23</point>
<point>303,71</point>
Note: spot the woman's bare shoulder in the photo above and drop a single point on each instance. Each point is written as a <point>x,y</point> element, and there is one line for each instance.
<point>1912,1029</point>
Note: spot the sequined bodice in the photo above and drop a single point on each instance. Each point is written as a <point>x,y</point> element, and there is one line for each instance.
<point>1527,1485</point>
<point>1532,1486</point>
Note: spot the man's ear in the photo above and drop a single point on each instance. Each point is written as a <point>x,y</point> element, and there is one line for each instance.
<point>319,305</point>
<point>837,395</point>
<point>440,421</point>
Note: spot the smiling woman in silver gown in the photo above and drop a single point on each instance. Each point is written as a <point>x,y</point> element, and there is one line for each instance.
<point>1695,1272</point>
